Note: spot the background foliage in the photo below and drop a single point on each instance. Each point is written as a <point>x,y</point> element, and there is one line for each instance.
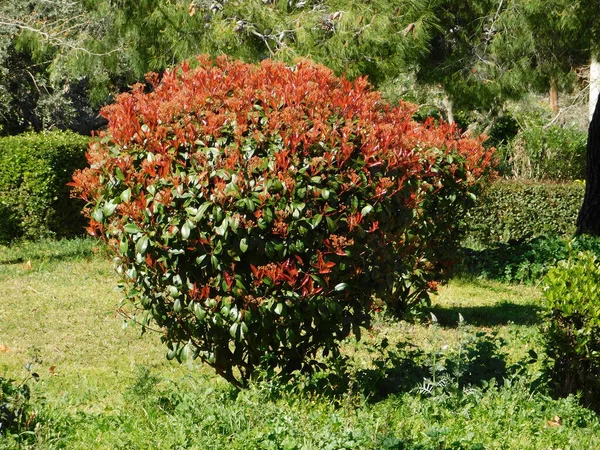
<point>514,210</point>
<point>34,198</point>
<point>546,153</point>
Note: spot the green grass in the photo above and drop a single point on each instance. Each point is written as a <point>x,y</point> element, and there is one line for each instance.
<point>433,386</point>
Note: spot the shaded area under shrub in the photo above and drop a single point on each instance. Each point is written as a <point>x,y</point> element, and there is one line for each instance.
<point>526,261</point>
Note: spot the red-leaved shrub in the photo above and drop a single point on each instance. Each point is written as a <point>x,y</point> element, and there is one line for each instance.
<point>257,211</point>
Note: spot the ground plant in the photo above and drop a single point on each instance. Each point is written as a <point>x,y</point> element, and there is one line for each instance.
<point>15,411</point>
<point>256,209</point>
<point>572,327</point>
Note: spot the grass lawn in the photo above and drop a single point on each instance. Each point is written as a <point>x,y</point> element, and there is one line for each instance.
<point>427,386</point>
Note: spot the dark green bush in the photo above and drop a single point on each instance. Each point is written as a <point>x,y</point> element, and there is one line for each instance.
<point>510,210</point>
<point>553,153</point>
<point>15,412</point>
<point>34,196</point>
<point>503,131</point>
<point>526,261</point>
<point>572,327</point>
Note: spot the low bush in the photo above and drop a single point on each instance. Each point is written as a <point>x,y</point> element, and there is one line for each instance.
<point>256,210</point>
<point>547,153</point>
<point>526,261</point>
<point>511,210</point>
<point>34,198</point>
<point>572,327</point>
<point>16,414</point>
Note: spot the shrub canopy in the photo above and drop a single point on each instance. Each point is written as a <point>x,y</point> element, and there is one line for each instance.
<point>256,209</point>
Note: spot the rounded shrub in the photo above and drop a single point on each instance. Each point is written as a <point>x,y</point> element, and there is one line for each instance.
<point>35,201</point>
<point>258,211</point>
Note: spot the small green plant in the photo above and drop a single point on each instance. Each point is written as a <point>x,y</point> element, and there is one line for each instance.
<point>15,412</point>
<point>572,327</point>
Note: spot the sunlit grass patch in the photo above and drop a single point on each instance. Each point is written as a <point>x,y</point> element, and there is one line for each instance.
<point>412,386</point>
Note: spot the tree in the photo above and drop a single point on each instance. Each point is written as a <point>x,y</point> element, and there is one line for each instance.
<point>588,221</point>
<point>56,68</point>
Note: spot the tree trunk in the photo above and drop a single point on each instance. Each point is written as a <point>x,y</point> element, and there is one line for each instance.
<point>588,221</point>
<point>554,96</point>
<point>594,84</point>
<point>449,107</point>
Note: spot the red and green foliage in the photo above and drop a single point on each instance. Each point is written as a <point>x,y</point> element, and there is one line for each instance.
<point>257,211</point>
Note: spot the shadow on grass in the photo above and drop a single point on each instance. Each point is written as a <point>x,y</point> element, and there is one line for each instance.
<point>503,313</point>
<point>476,362</point>
<point>52,251</point>
<point>523,261</point>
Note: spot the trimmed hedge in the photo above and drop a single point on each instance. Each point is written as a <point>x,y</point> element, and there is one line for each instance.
<point>34,197</point>
<point>510,210</point>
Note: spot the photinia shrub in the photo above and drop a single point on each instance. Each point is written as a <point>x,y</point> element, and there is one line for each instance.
<point>258,211</point>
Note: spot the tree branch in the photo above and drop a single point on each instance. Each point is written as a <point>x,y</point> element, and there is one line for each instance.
<point>53,35</point>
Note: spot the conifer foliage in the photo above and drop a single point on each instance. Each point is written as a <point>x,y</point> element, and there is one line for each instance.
<point>256,211</point>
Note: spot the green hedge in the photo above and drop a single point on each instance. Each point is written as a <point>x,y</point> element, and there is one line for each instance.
<point>511,210</point>
<point>34,198</point>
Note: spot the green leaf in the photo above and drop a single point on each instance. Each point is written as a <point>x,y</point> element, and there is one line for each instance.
<point>119,174</point>
<point>177,306</point>
<point>142,244</point>
<point>316,221</point>
<point>126,195</point>
<point>98,215</point>
<point>202,210</point>
<point>199,312</point>
<point>366,210</point>
<point>243,245</point>
<point>268,215</point>
<point>222,229</point>
<point>109,208</point>
<point>279,309</point>
<point>331,225</point>
<point>341,286</point>
<point>233,330</point>
<point>132,228</point>
<point>186,230</point>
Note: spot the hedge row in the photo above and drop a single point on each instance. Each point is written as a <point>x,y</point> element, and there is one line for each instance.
<point>511,210</point>
<point>34,197</point>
